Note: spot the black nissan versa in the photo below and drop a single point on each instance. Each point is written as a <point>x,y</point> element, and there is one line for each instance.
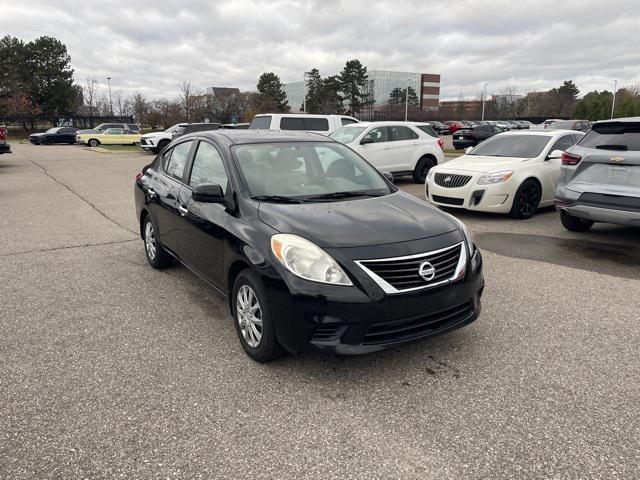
<point>312,245</point>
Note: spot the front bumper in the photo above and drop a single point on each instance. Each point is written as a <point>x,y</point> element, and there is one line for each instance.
<point>346,320</point>
<point>483,198</point>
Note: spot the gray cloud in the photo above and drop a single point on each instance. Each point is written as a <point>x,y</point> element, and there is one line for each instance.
<point>153,46</point>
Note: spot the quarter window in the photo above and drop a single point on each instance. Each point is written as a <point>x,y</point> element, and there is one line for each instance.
<point>402,133</point>
<point>177,159</point>
<point>319,124</point>
<point>208,167</point>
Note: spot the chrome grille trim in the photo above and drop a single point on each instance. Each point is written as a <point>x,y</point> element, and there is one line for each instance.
<point>390,289</point>
<point>456,180</point>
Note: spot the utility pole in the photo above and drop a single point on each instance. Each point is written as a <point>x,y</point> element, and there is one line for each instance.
<point>613,104</point>
<point>110,102</point>
<point>484,94</point>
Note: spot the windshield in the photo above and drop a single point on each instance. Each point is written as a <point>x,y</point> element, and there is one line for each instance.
<point>347,134</point>
<point>173,129</point>
<point>307,171</point>
<point>521,146</point>
<point>53,130</point>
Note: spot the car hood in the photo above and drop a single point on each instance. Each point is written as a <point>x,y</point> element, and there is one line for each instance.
<point>398,217</point>
<point>155,134</point>
<point>479,163</point>
<point>41,134</point>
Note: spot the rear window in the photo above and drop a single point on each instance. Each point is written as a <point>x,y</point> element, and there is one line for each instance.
<point>623,136</point>
<point>304,123</point>
<point>260,123</point>
<point>428,130</point>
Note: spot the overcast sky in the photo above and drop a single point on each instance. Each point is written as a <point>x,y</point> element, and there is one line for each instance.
<point>153,46</point>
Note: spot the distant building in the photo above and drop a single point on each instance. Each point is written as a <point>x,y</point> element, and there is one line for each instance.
<point>380,85</point>
<point>222,92</point>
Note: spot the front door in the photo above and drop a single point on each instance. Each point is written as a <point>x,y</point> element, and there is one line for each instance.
<point>404,143</point>
<point>201,226</point>
<point>378,153</point>
<point>552,167</point>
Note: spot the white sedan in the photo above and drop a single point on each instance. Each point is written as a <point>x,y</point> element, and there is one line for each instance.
<point>512,172</point>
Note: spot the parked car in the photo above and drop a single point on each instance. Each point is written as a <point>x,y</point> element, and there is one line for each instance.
<point>600,177</point>
<point>578,125</point>
<point>544,125</point>
<point>156,141</point>
<point>185,128</point>
<point>439,127</point>
<point>104,126</point>
<point>304,238</point>
<point>55,135</point>
<point>324,124</point>
<point>525,124</point>
<point>5,147</point>
<point>512,172</point>
<point>453,126</point>
<point>111,136</point>
<point>401,148</point>
<point>470,137</point>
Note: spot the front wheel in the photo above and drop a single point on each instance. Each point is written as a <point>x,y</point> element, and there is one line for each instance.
<point>574,224</point>
<point>526,200</point>
<point>422,168</point>
<point>252,318</point>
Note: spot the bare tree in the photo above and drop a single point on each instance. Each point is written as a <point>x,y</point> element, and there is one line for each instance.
<point>140,107</point>
<point>186,93</point>
<point>89,93</point>
<point>121,103</point>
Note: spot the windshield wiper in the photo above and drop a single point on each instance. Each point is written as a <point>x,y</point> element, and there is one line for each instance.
<point>612,147</point>
<point>276,198</point>
<point>338,195</point>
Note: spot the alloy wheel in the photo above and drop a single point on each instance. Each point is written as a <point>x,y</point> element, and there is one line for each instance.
<point>249,316</point>
<point>150,240</point>
<point>529,200</point>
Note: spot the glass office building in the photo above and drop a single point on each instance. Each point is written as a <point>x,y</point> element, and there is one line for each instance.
<point>295,95</point>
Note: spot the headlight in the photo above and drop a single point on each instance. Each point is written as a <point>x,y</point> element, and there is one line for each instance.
<point>497,177</point>
<point>307,260</point>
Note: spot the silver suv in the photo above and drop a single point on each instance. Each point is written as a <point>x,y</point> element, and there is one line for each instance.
<point>600,177</point>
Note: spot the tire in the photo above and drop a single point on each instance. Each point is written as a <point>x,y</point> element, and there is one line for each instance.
<point>161,145</point>
<point>526,200</point>
<point>47,141</point>
<point>255,328</point>
<point>422,168</point>
<point>156,255</point>
<point>93,142</point>
<point>574,224</point>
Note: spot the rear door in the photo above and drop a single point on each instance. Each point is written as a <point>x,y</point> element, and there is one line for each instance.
<point>164,189</point>
<point>404,144</point>
<point>201,227</point>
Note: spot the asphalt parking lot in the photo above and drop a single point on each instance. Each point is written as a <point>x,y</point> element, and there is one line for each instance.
<point>111,369</point>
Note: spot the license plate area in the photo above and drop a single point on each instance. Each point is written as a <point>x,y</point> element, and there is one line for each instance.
<point>619,175</point>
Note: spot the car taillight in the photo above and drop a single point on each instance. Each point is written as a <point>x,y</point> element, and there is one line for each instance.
<point>441,143</point>
<point>570,159</point>
<point>3,133</point>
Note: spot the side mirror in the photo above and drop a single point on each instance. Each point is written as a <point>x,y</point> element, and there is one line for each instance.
<point>468,150</point>
<point>388,175</point>
<point>366,140</point>
<point>208,193</point>
<point>555,154</point>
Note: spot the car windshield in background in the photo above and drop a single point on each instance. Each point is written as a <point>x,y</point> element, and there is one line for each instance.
<point>53,130</point>
<point>307,172</point>
<point>562,125</point>
<point>428,130</point>
<point>260,123</point>
<point>347,134</point>
<point>520,146</point>
<point>624,136</point>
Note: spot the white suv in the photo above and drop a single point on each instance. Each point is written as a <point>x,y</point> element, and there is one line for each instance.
<point>402,148</point>
<point>324,124</point>
<point>156,141</point>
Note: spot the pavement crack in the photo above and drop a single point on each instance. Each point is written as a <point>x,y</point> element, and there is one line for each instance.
<point>46,172</point>
<point>68,247</point>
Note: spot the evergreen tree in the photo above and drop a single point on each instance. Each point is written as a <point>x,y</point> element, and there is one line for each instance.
<point>273,96</point>
<point>353,80</point>
<point>314,91</point>
<point>398,96</point>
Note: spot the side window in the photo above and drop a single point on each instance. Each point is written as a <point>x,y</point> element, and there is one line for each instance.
<point>402,133</point>
<point>178,159</point>
<point>377,135</point>
<point>347,121</point>
<point>292,123</point>
<point>320,124</point>
<point>208,167</point>
<point>562,143</point>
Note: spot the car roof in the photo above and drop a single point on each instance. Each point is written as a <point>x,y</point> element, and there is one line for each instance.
<point>300,114</point>
<point>549,132</point>
<point>239,137</point>
<point>623,119</point>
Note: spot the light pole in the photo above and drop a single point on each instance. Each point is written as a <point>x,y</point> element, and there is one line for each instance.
<point>304,93</point>
<point>484,94</point>
<point>406,103</point>
<point>110,103</point>
<point>613,104</point>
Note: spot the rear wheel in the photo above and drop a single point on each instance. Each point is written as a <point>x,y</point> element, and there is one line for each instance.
<point>157,256</point>
<point>253,319</point>
<point>574,224</point>
<point>93,142</point>
<point>422,168</point>
<point>526,200</point>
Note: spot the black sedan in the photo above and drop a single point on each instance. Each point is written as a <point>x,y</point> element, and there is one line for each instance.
<point>439,127</point>
<point>54,135</point>
<point>470,137</point>
<point>314,248</point>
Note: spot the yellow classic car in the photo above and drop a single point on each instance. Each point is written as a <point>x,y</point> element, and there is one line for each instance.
<point>111,136</point>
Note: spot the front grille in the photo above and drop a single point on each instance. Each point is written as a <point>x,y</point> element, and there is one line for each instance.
<point>451,180</point>
<point>416,327</point>
<point>401,274</point>
<point>329,331</point>
<point>448,200</point>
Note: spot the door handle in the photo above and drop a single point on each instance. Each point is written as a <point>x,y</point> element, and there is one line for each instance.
<point>183,210</point>
<point>152,193</point>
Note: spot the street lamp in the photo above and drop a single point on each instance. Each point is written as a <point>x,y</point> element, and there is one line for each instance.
<point>110,103</point>
<point>484,94</point>
<point>613,104</point>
